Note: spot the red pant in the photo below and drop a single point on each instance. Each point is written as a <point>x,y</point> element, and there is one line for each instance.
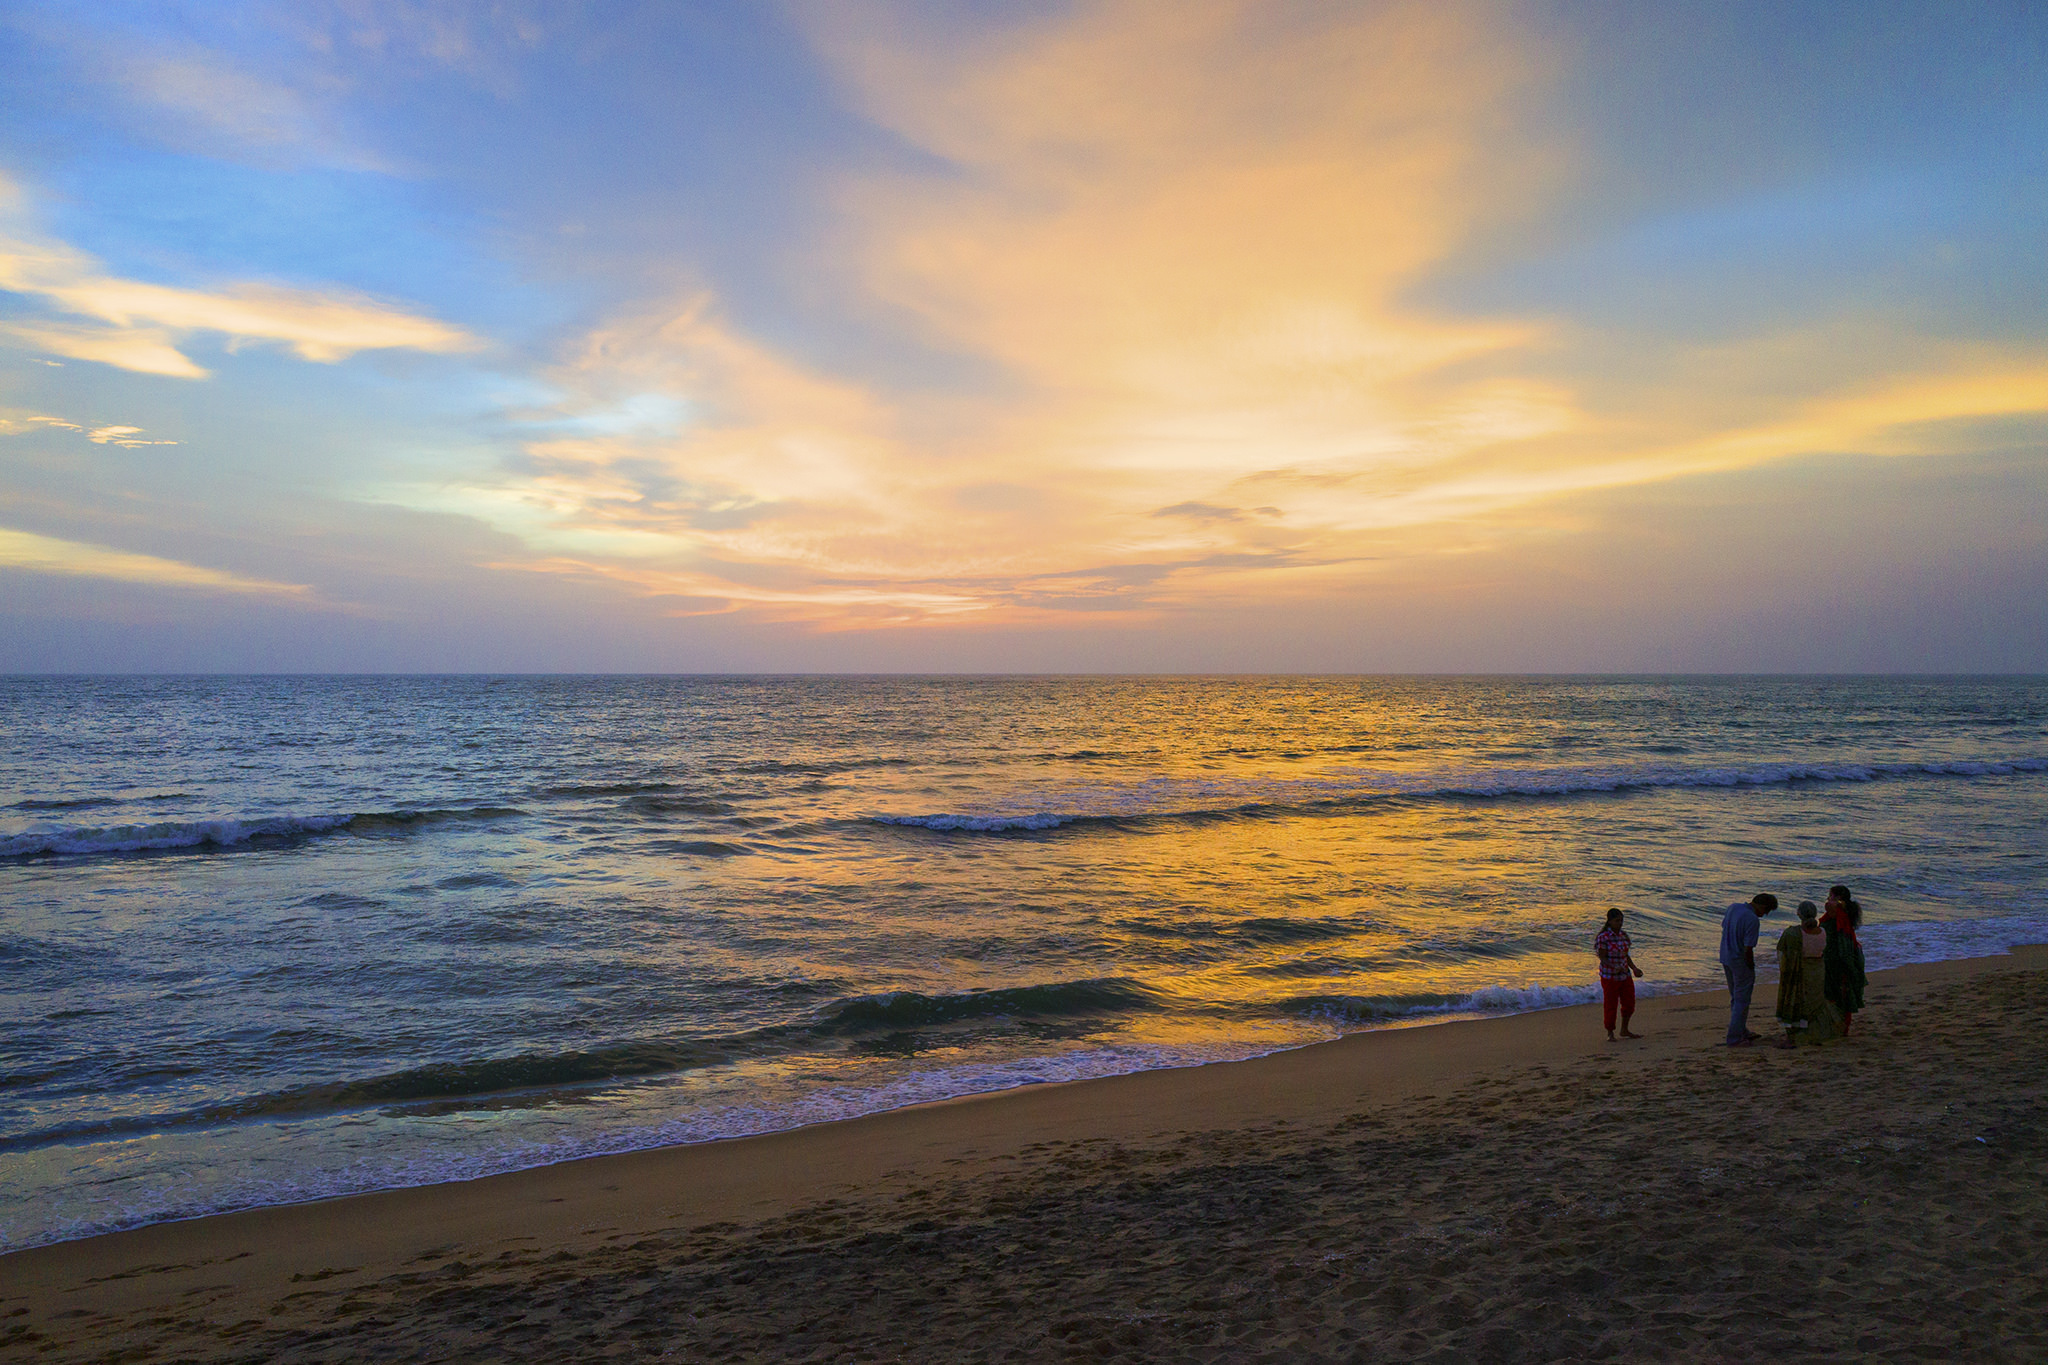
<point>1612,993</point>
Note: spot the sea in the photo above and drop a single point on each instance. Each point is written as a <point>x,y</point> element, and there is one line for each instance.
<point>274,939</point>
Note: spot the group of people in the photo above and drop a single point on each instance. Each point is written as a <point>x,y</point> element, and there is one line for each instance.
<point>1820,969</point>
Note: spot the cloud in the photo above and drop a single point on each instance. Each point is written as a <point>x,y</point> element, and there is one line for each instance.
<point>453,32</point>
<point>14,422</point>
<point>1204,511</point>
<point>1185,269</point>
<point>758,481</point>
<point>483,42</point>
<point>141,349</point>
<point>19,423</point>
<point>136,325</point>
<point>203,99</point>
<point>33,553</point>
<point>1904,396</point>
<point>1185,249</point>
<point>128,437</point>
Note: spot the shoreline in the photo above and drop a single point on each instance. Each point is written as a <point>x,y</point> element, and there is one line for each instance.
<point>254,1266</point>
<point>1424,1017</point>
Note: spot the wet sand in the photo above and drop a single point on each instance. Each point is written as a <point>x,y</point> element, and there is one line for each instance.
<point>1495,1190</point>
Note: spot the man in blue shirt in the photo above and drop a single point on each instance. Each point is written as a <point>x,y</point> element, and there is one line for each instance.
<point>1738,961</point>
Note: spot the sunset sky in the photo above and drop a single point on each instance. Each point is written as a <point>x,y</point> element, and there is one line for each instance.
<point>1195,336</point>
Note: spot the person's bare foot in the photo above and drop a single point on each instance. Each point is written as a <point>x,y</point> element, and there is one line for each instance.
<point>1626,1034</point>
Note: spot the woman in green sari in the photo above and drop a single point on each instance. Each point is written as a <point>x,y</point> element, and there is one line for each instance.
<point>1845,975</point>
<point>1803,1005</point>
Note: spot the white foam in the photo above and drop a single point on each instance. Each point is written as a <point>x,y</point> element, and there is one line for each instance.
<point>1565,780</point>
<point>1907,941</point>
<point>1172,796</point>
<point>1522,999</point>
<point>171,834</point>
<point>978,824</point>
<point>1498,999</point>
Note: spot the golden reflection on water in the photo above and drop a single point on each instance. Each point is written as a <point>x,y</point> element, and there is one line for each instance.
<point>1237,923</point>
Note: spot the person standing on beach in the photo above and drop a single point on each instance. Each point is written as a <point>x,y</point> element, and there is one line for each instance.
<point>1739,929</point>
<point>1844,962</point>
<point>1803,1006</point>
<point>1617,975</point>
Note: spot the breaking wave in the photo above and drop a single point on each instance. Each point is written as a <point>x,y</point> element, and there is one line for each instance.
<point>981,824</point>
<point>1065,999</point>
<point>1172,800</point>
<point>81,841</point>
<point>1354,1009</point>
<point>450,1083</point>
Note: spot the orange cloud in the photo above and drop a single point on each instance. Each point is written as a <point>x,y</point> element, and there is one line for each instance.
<point>1182,234</point>
<point>1187,240</point>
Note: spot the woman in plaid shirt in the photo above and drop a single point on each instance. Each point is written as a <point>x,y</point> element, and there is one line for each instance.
<point>1617,975</point>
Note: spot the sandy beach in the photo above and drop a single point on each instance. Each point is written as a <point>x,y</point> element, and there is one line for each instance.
<point>1497,1190</point>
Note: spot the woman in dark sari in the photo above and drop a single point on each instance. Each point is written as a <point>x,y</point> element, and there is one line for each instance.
<point>1803,1006</point>
<point>1844,978</point>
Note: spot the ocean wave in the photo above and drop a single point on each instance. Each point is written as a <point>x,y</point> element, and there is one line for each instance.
<point>1064,999</point>
<point>438,1081</point>
<point>138,1204</point>
<point>84,841</point>
<point>22,950</point>
<point>1277,929</point>
<point>1164,800</point>
<point>532,1077</point>
<point>652,804</point>
<point>605,788</point>
<point>1902,942</point>
<point>701,848</point>
<point>95,802</point>
<point>981,824</point>
<point>819,767</point>
<point>1568,781</point>
<point>1381,1009</point>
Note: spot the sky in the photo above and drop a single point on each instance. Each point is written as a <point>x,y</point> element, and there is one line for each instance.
<point>1204,336</point>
